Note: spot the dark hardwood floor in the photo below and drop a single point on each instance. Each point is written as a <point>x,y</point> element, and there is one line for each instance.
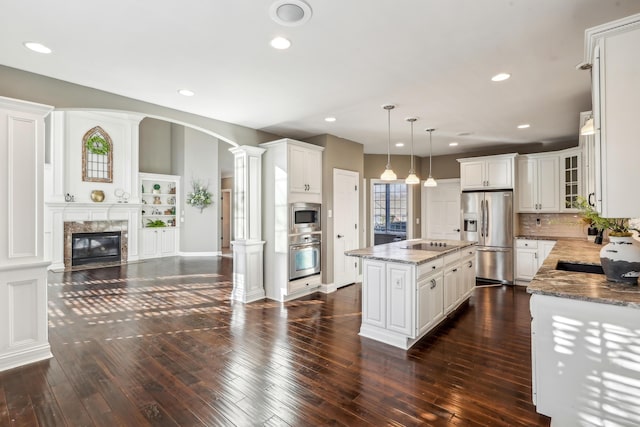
<point>160,343</point>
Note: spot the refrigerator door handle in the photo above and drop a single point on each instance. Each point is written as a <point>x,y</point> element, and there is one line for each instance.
<point>482,218</point>
<point>486,218</point>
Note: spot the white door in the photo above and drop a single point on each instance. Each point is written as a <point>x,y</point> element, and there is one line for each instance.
<point>441,210</point>
<point>346,195</point>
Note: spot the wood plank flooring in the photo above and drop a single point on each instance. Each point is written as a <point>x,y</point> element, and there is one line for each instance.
<point>160,343</point>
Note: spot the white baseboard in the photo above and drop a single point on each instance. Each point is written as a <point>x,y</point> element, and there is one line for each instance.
<point>25,356</point>
<point>328,288</point>
<point>186,254</point>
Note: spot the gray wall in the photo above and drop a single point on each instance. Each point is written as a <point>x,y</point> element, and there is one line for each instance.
<point>343,154</point>
<point>20,84</point>
<point>155,146</point>
<point>195,157</point>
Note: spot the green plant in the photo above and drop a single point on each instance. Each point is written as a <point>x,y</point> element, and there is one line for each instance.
<point>97,145</point>
<point>199,197</point>
<point>156,186</point>
<point>618,226</point>
<point>155,223</point>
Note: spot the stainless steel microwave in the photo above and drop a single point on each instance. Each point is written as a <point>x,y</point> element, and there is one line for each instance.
<point>304,218</point>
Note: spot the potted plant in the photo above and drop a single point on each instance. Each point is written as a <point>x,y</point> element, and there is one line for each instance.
<point>620,258</point>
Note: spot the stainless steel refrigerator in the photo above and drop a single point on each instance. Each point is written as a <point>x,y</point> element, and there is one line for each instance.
<point>487,218</point>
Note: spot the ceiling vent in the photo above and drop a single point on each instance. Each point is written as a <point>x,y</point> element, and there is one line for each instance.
<point>290,13</point>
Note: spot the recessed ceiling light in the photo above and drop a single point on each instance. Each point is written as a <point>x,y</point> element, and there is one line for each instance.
<point>280,43</point>
<point>524,126</point>
<point>453,144</point>
<point>500,77</point>
<point>329,119</point>
<point>290,13</point>
<point>37,47</point>
<point>186,92</point>
<point>399,144</point>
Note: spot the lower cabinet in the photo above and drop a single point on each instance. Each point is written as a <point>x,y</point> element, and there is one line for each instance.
<point>158,242</point>
<point>530,254</point>
<point>401,302</point>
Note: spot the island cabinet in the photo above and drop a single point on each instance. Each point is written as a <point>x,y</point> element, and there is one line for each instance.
<point>530,254</point>
<point>402,301</point>
<point>487,173</point>
<point>612,53</point>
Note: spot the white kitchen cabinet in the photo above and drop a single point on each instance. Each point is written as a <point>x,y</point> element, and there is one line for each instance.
<point>401,302</point>
<point>291,173</point>
<point>305,170</point>
<point>430,301</point>
<point>612,51</point>
<point>571,168</point>
<point>530,254</point>
<point>587,143</point>
<point>486,173</point>
<point>158,242</point>
<point>539,183</point>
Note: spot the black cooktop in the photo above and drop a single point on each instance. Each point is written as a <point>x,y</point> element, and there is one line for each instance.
<point>430,246</point>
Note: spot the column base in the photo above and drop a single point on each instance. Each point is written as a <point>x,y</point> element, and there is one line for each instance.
<point>248,277</point>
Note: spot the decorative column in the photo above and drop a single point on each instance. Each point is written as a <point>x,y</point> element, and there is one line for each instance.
<point>248,251</point>
<point>23,266</point>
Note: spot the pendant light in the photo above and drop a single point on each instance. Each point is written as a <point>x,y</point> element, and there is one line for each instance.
<point>430,182</point>
<point>412,178</point>
<point>588,128</point>
<point>388,174</point>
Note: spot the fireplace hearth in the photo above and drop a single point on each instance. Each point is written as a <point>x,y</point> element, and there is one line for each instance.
<point>90,248</point>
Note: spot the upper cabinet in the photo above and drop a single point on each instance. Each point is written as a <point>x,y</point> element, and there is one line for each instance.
<point>487,173</point>
<point>538,183</point>
<point>305,170</point>
<point>612,51</point>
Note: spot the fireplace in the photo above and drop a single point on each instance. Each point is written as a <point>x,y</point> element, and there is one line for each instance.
<point>95,243</point>
<point>89,248</point>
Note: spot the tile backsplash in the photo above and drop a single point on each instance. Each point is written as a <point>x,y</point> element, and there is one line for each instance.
<point>552,225</point>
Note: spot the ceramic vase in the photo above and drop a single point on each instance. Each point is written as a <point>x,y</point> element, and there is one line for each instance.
<point>97,196</point>
<point>620,259</point>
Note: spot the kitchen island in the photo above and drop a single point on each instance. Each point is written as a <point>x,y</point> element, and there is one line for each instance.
<point>585,336</point>
<point>409,287</point>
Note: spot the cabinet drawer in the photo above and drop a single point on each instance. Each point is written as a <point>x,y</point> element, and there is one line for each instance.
<point>304,283</point>
<point>452,258</point>
<point>429,267</point>
<point>523,243</point>
<point>468,252</point>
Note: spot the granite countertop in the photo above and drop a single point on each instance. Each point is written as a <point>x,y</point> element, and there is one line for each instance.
<point>555,239</point>
<point>580,286</point>
<point>397,251</point>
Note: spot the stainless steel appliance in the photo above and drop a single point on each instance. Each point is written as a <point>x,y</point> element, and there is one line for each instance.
<point>487,218</point>
<point>304,255</point>
<point>305,218</point>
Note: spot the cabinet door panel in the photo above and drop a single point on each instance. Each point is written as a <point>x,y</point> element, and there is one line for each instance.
<point>297,165</point>
<point>168,242</point>
<point>472,175</point>
<point>149,243</point>
<point>548,184</point>
<point>499,173</point>
<point>451,275</point>
<point>526,263</point>
<point>313,171</point>
<point>399,297</point>
<point>527,185</point>
<point>430,302</point>
<point>373,310</point>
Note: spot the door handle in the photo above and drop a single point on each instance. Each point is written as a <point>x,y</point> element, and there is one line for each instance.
<point>589,199</point>
<point>456,229</point>
<point>433,284</point>
<point>339,236</point>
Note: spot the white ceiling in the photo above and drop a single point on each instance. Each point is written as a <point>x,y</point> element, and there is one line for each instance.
<point>433,58</point>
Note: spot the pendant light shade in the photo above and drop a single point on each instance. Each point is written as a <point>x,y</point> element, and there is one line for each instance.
<point>388,174</point>
<point>412,178</point>
<point>430,182</point>
<point>588,128</point>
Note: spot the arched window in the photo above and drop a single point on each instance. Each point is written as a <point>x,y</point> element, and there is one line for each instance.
<point>97,156</point>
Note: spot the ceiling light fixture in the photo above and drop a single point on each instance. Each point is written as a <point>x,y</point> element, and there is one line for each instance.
<point>388,174</point>
<point>37,47</point>
<point>330,119</point>
<point>412,178</point>
<point>399,144</point>
<point>430,182</point>
<point>280,43</point>
<point>290,13</point>
<point>588,128</point>
<point>453,144</point>
<point>186,92</point>
<point>524,126</point>
<point>500,77</point>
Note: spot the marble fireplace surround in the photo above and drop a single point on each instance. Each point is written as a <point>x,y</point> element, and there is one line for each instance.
<point>71,227</point>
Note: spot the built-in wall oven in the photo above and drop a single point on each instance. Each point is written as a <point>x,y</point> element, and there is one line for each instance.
<point>304,255</point>
<point>304,218</point>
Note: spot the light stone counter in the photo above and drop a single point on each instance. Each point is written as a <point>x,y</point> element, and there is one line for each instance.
<point>580,286</point>
<point>397,251</point>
